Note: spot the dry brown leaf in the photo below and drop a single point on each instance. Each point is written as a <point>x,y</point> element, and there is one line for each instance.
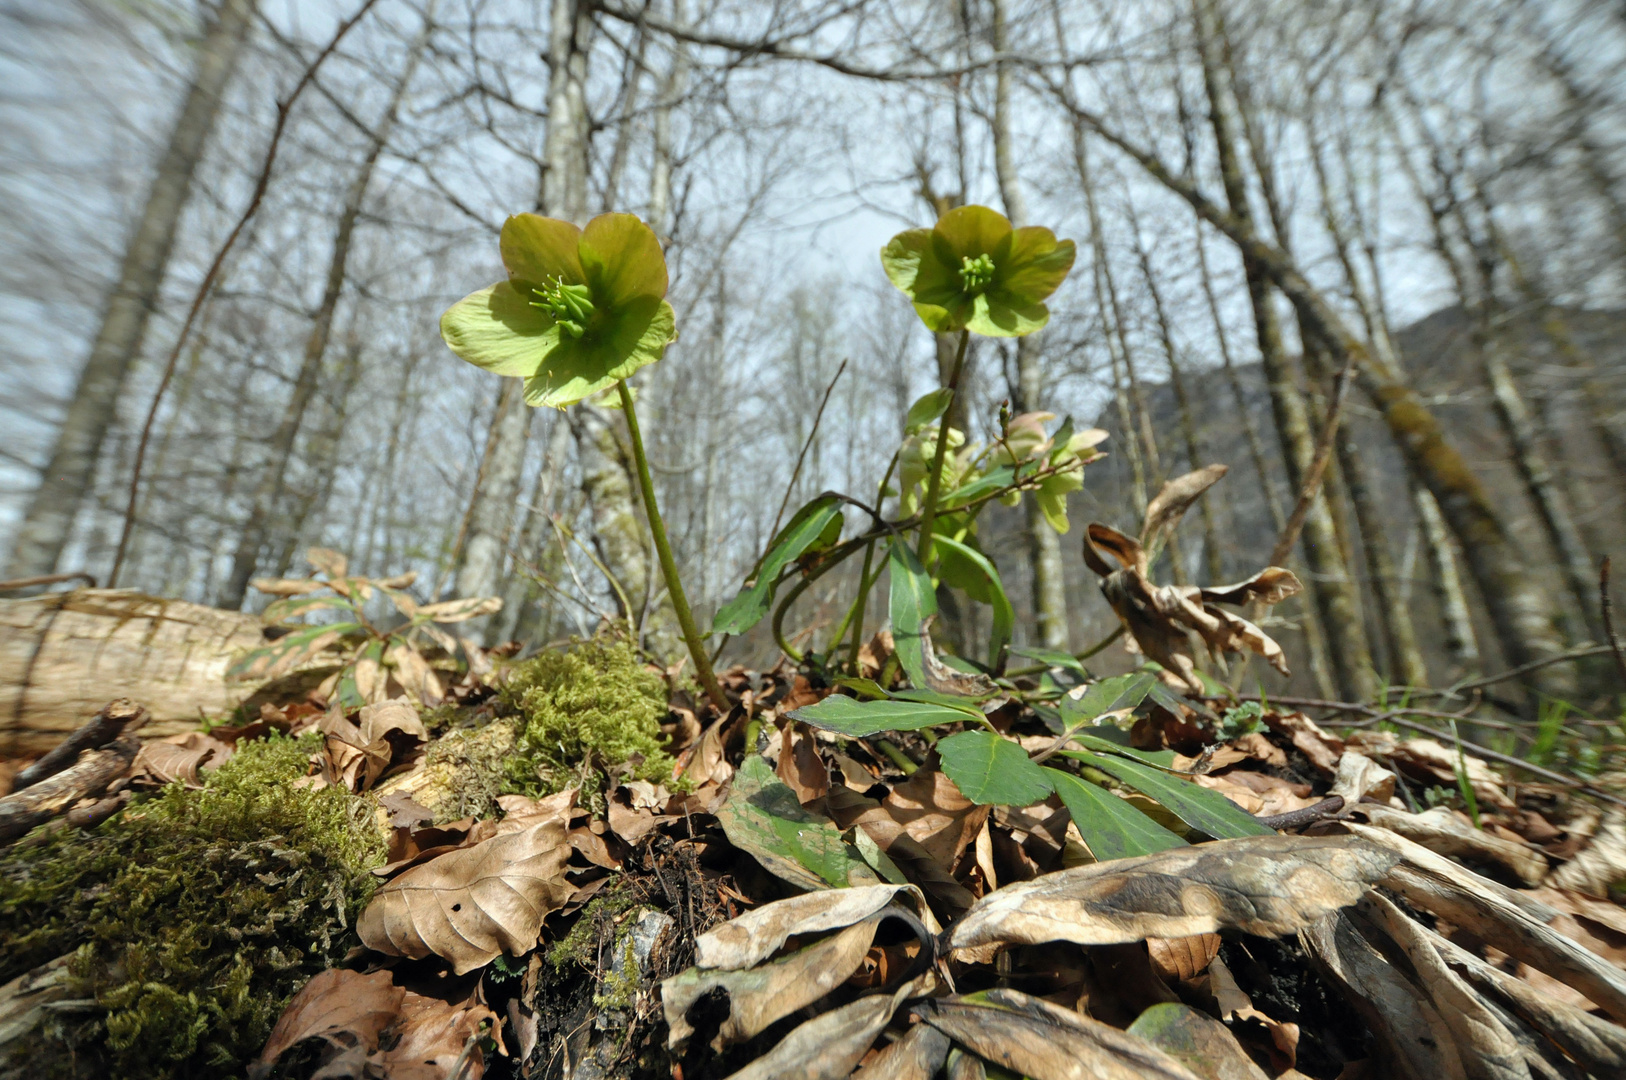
<point>1256,746</point>
<point>1034,1038</point>
<point>1182,958</point>
<point>1265,885</point>
<point>1599,865</point>
<point>757,997</point>
<point>1443,832</point>
<point>520,812</point>
<point>410,845</point>
<point>1244,797</point>
<point>1234,1004</point>
<point>1431,759</point>
<point>1505,918</point>
<point>1196,1040</point>
<point>435,1035</point>
<point>345,1009</point>
<point>179,758</point>
<point>828,1047</point>
<point>708,763</point>
<point>1358,776</point>
<point>470,905</point>
<point>1489,1051</point>
<point>934,813</point>
<point>1160,618</point>
<point>916,1056</point>
<point>1322,748</point>
<point>799,765</point>
<point>751,938</point>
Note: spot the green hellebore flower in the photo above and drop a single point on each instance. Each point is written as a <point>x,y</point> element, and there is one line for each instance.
<point>972,271</point>
<point>1070,459</point>
<point>581,309</point>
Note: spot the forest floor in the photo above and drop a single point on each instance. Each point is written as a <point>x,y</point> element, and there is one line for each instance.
<point>572,866</point>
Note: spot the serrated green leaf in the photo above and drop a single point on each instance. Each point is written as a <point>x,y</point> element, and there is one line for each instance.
<point>1108,695</point>
<point>1202,809</point>
<point>806,527</point>
<point>857,719</point>
<point>911,603</point>
<point>927,410</point>
<point>964,567</point>
<point>1158,759</point>
<point>762,818</point>
<point>1110,826</point>
<point>992,770</point>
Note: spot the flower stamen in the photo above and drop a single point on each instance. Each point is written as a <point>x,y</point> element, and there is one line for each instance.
<point>570,305</point>
<point>975,274</point>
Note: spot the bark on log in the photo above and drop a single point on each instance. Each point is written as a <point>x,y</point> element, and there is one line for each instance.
<point>62,656</point>
<point>108,724</point>
<point>89,776</point>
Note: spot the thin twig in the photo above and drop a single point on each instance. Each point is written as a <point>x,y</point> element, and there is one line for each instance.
<point>46,579</point>
<point>284,109</point>
<point>1609,619</point>
<point>1318,466</point>
<point>806,443</point>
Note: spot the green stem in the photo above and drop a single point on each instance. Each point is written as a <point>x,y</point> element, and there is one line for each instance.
<point>934,479</point>
<point>663,547</point>
<point>859,604</point>
<point>896,756</point>
<point>785,646</point>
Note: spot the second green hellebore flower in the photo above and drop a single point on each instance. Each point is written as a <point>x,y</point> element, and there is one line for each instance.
<point>972,271</point>
<point>581,309</point>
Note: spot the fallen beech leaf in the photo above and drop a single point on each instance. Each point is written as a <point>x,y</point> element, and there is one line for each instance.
<point>758,996</point>
<point>1182,958</point>
<point>1197,1041</point>
<point>1358,776</point>
<point>179,758</point>
<point>934,812</point>
<point>1321,747</point>
<point>751,938</point>
<point>800,766</point>
<point>1235,1004</point>
<point>1412,1039</point>
<point>1267,885</point>
<point>1034,1038</point>
<point>520,812</point>
<point>434,1034</point>
<point>469,906</point>
<point>345,1009</point>
<point>763,818</point>
<point>828,1047</point>
<point>1600,864</point>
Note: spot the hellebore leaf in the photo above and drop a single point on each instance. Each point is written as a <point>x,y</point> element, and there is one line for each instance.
<point>751,604</point>
<point>763,818</point>
<point>964,567</point>
<point>1110,826</point>
<point>913,601</point>
<point>1204,810</point>
<point>990,769</point>
<point>858,719</point>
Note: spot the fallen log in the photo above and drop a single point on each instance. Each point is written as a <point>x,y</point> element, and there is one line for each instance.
<point>63,655</point>
<point>114,719</point>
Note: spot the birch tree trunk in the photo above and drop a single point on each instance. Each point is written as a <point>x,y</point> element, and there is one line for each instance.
<point>1044,546</point>
<point>69,472</point>
<point>268,492</point>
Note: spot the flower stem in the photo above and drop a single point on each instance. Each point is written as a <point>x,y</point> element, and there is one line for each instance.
<point>663,547</point>
<point>934,479</point>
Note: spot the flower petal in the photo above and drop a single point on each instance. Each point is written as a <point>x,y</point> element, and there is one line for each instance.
<point>579,369</point>
<point>1031,264</point>
<point>499,330</point>
<point>969,231</point>
<point>993,316</point>
<point>622,259</point>
<point>536,249</point>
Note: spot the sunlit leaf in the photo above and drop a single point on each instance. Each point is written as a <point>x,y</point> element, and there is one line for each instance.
<point>912,603</point>
<point>327,561</point>
<point>288,586</point>
<point>289,606</point>
<point>857,719</point>
<point>806,527</point>
<point>1051,657</point>
<point>469,607</point>
<point>763,818</point>
<point>1202,809</point>
<point>1110,826</point>
<point>1001,477</point>
<point>989,769</point>
<point>288,651</point>
<point>928,410</point>
<point>1109,695</point>
<point>866,689</point>
<point>1160,759</point>
<point>964,567</point>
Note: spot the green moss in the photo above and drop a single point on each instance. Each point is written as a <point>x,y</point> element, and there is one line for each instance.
<point>471,769</point>
<point>579,947</point>
<point>584,712</point>
<point>192,916</point>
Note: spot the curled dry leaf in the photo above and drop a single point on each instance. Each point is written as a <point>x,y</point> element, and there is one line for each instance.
<point>288,586</point>
<point>347,1010</point>
<point>1264,885</point>
<point>470,905</point>
<point>1182,958</point>
<point>1499,916</point>
<point>1600,864</point>
<point>828,1047</point>
<point>918,1055</point>
<point>751,938</point>
<point>1323,748</point>
<point>1034,1038</point>
<point>1443,832</point>
<point>179,758</point>
<point>759,996</point>
<point>1159,618</point>
<point>1358,776</point>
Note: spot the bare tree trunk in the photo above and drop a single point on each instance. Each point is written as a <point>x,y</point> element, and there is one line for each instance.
<point>1460,643</point>
<point>1329,576</point>
<point>68,474</point>
<point>1044,546</point>
<point>492,504</point>
<point>268,493</point>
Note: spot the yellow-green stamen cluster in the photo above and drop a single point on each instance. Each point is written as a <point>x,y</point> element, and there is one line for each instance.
<point>975,274</point>
<point>570,305</point>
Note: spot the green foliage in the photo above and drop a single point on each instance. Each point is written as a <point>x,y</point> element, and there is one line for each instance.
<point>810,524</point>
<point>581,310</point>
<point>1244,719</point>
<point>1111,827</point>
<point>194,914</point>
<point>583,712</point>
<point>988,768</point>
